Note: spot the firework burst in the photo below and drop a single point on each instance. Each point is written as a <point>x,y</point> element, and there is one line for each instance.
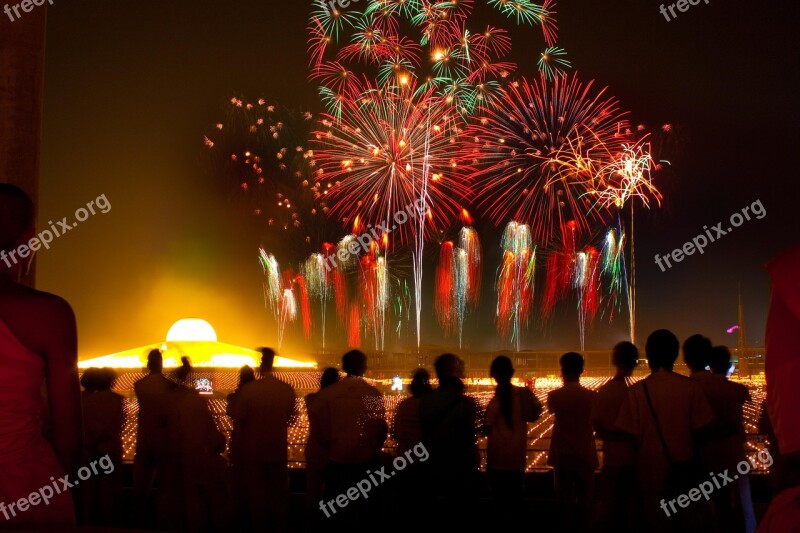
<point>535,154</point>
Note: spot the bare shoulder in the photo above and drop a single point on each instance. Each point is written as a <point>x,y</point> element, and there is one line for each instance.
<point>49,307</point>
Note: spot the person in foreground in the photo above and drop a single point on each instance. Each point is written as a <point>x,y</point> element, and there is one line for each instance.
<point>572,451</point>
<point>665,413</point>
<point>618,477</point>
<point>447,417</point>
<point>506,425</point>
<point>263,411</point>
<point>38,345</point>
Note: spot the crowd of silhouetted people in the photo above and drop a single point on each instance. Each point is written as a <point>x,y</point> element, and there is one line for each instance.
<point>663,437</point>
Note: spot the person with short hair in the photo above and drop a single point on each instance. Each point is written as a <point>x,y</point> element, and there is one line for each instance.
<point>352,419</point>
<point>618,476</point>
<point>572,450</point>
<point>407,428</point>
<point>149,460</point>
<point>103,416</point>
<point>315,452</point>
<point>724,444</point>
<point>448,418</point>
<point>262,413</point>
<point>664,413</point>
<point>38,350</point>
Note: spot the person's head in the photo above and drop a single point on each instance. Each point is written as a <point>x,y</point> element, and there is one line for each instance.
<point>246,375</point>
<point>183,373</point>
<point>354,363</point>
<point>329,376</point>
<point>17,221</point>
<point>90,380</point>
<point>571,366</point>
<point>501,369</point>
<point>449,365</point>
<point>106,378</point>
<point>185,362</point>
<point>267,360</point>
<point>696,350</point>
<point>155,362</point>
<point>719,359</point>
<point>662,350</point>
<point>420,382</point>
<point>625,356</point>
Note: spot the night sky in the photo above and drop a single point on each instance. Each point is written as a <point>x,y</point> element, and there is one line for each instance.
<point>131,87</point>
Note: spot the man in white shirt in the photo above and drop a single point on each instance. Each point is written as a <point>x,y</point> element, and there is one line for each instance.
<point>681,410</point>
<point>572,451</point>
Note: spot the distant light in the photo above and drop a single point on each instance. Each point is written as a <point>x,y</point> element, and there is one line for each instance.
<point>191,329</point>
<point>732,328</point>
<point>397,383</point>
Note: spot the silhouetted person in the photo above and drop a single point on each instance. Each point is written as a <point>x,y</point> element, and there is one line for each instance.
<point>183,373</point>
<point>696,351</point>
<point>246,375</point>
<point>38,345</point>
<point>572,451</point>
<point>665,437</point>
<point>724,447</point>
<point>616,505</point>
<point>196,469</point>
<point>506,422</point>
<point>716,445</point>
<point>103,418</point>
<point>316,453</point>
<point>262,413</point>
<point>407,428</point>
<point>352,418</point>
<point>448,418</point>
<point>148,463</point>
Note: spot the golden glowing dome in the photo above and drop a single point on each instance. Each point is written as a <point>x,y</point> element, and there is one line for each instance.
<point>191,329</point>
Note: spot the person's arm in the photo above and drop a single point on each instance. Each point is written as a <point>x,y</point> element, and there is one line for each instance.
<point>533,407</point>
<point>63,387</point>
<point>628,419</point>
<point>704,423</point>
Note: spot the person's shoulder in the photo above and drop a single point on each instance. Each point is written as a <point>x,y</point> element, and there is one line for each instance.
<point>48,307</point>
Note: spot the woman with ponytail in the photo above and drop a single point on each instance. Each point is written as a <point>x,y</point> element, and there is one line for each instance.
<point>507,417</point>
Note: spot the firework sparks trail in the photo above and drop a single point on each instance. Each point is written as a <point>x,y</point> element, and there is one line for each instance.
<point>585,281</point>
<point>458,276</point>
<point>515,286</point>
<point>272,282</point>
<point>319,280</point>
<point>629,177</point>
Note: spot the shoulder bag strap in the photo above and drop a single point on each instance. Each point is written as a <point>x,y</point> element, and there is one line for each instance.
<point>655,419</point>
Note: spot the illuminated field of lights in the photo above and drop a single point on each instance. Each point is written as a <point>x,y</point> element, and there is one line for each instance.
<point>539,433</point>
